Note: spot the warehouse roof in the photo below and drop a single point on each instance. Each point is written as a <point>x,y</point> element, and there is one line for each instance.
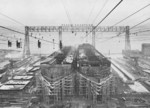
<point>12,87</point>
<point>17,82</point>
<point>22,77</point>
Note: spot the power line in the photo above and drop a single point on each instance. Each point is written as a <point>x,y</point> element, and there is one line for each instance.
<point>12,19</point>
<point>105,17</point>
<point>133,39</point>
<point>44,40</point>
<point>24,34</point>
<point>140,39</point>
<point>91,11</point>
<point>129,29</point>
<point>100,11</point>
<point>33,42</point>
<point>67,12</point>
<point>140,31</point>
<point>8,37</point>
<point>7,40</point>
<point>132,14</point>
<point>139,23</point>
<point>12,30</point>
<point>140,36</point>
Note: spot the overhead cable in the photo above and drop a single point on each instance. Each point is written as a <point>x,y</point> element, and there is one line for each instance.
<point>105,17</point>
<point>131,14</point>
<point>129,29</point>
<point>140,31</point>
<point>24,34</point>
<point>12,30</point>
<point>1,35</point>
<point>91,11</point>
<point>139,23</point>
<point>100,11</point>
<point>12,19</point>
<point>67,12</point>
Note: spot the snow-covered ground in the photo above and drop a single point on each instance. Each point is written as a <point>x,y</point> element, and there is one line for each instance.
<point>123,70</point>
<point>119,55</point>
<point>121,75</point>
<point>137,87</point>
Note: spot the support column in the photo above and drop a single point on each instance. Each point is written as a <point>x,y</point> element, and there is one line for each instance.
<point>89,90</point>
<point>26,50</point>
<point>127,39</point>
<point>60,37</point>
<point>93,37</point>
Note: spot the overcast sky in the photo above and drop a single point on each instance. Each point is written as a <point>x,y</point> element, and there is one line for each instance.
<point>54,12</point>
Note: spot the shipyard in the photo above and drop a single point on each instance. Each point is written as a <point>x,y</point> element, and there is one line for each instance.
<point>74,54</point>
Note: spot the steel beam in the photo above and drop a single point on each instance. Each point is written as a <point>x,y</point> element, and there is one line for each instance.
<point>60,35</point>
<point>76,28</point>
<point>26,50</point>
<point>93,37</point>
<point>127,39</point>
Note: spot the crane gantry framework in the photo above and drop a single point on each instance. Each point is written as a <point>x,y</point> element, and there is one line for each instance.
<point>76,28</point>
<point>88,28</point>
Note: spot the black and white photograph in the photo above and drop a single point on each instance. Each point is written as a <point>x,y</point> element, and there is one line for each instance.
<point>74,53</point>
